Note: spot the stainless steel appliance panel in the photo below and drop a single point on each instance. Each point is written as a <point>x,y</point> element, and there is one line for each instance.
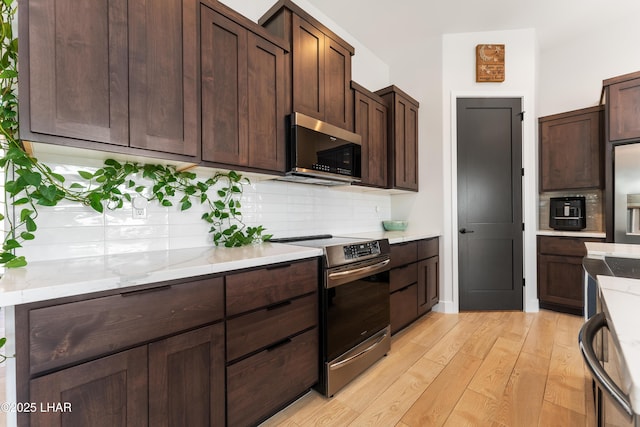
<point>626,182</point>
<point>613,407</point>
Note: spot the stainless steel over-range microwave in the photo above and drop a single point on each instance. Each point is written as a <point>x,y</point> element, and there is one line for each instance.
<point>320,153</point>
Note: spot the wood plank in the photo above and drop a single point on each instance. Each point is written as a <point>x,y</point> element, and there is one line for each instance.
<point>495,371</point>
<point>566,379</point>
<point>438,400</point>
<point>391,405</point>
<point>524,393</point>
<point>558,416</point>
<point>540,338</point>
<point>445,349</point>
<point>473,409</point>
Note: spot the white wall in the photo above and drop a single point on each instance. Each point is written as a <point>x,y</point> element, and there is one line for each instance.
<point>459,81</point>
<point>572,70</point>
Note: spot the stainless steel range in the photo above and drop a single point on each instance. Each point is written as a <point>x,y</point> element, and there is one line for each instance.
<point>354,314</point>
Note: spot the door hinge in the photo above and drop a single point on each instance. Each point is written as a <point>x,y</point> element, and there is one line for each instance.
<point>523,226</point>
<point>523,282</point>
<point>522,171</point>
<point>521,114</point>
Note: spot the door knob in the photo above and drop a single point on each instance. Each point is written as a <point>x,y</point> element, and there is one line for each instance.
<point>465,231</point>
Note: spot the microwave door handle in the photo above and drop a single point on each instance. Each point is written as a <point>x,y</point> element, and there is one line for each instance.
<point>585,340</point>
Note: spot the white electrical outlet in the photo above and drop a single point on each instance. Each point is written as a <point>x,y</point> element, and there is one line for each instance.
<point>139,208</point>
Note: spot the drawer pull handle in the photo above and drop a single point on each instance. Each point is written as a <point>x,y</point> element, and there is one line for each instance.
<point>145,291</point>
<point>279,344</point>
<point>278,305</point>
<point>277,267</point>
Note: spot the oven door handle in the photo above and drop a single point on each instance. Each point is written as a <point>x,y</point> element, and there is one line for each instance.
<point>349,359</point>
<point>585,339</point>
<point>341,275</point>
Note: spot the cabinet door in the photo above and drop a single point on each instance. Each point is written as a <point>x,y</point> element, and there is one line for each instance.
<point>163,84</point>
<point>266,105</point>
<point>403,307</point>
<point>570,152</point>
<point>405,149</point>
<point>427,284</point>
<point>560,283</point>
<point>337,80</point>
<point>77,70</point>
<point>308,69</point>
<point>108,392</point>
<point>224,90</point>
<point>186,379</point>
<point>371,124</point>
<point>260,385</point>
<point>624,104</point>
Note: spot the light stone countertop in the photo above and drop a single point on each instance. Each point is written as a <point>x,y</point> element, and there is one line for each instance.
<point>394,236</point>
<point>46,280</point>
<point>622,250</point>
<point>585,234</point>
<point>621,299</point>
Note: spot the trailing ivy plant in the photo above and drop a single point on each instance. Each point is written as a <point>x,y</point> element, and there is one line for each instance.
<point>31,184</point>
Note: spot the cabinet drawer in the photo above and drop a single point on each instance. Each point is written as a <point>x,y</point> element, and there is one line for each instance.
<point>76,331</point>
<point>403,276</point>
<point>428,248</point>
<point>403,307</point>
<point>404,253</point>
<point>261,384</point>
<point>563,245</point>
<point>267,286</point>
<point>265,327</point>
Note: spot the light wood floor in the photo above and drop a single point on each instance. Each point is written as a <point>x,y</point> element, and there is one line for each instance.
<point>468,369</point>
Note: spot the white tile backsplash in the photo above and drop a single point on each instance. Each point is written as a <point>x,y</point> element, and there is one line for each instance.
<point>285,209</point>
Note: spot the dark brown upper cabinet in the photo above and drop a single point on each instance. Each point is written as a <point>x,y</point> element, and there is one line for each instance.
<point>244,92</point>
<point>370,122</point>
<point>623,105</point>
<point>320,64</point>
<point>402,130</point>
<point>111,76</point>
<point>571,150</point>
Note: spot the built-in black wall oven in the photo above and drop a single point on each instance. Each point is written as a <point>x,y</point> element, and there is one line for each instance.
<point>354,310</point>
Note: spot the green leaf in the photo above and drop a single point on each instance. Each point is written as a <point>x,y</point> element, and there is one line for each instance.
<point>32,178</point>
<point>236,189</point>
<point>166,203</point>
<point>77,185</point>
<point>16,262</point>
<point>24,214</point>
<point>21,201</point>
<point>30,224</point>
<point>57,177</point>
<point>85,174</point>
<point>219,205</point>
<point>114,163</point>
<point>185,205</point>
<point>27,236</point>
<point>11,244</point>
<point>49,193</point>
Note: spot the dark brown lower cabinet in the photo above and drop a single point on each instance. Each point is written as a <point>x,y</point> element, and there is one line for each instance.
<point>178,381</point>
<point>413,281</point>
<point>560,273</point>
<point>107,392</point>
<point>403,307</point>
<point>186,379</point>
<point>427,284</point>
<point>259,385</point>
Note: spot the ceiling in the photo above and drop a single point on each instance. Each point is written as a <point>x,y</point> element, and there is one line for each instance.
<point>386,27</point>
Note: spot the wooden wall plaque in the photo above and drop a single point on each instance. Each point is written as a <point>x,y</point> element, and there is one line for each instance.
<point>490,63</point>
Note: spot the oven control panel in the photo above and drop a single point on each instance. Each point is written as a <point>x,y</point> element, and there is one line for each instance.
<point>359,250</point>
